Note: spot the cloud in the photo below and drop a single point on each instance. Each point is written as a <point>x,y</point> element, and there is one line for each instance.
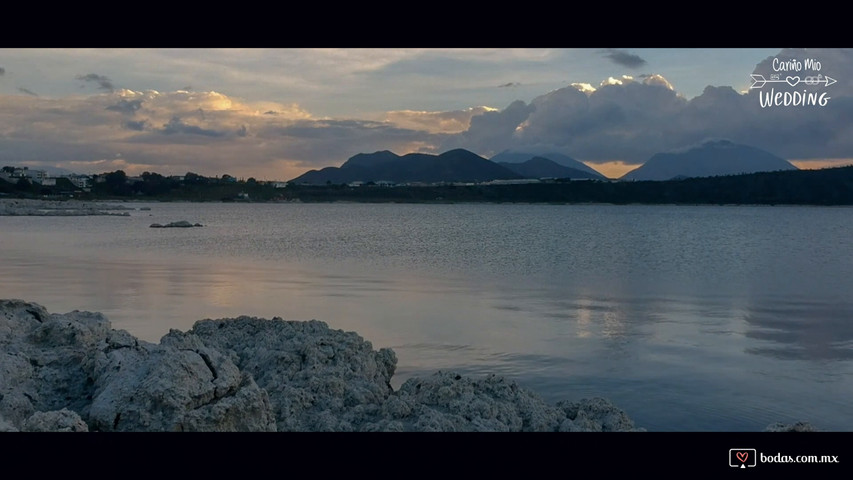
<point>103,82</point>
<point>138,126</point>
<point>177,126</point>
<point>510,84</point>
<point>623,58</point>
<point>629,120</point>
<point>28,92</point>
<point>203,132</point>
<point>436,122</point>
<point>491,132</point>
<point>655,79</point>
<point>2,71</point>
<point>620,121</point>
<point>126,106</point>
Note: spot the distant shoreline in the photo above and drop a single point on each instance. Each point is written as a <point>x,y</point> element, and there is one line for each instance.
<point>826,187</point>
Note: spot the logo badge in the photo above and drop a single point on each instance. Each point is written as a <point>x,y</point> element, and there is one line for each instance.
<point>742,457</point>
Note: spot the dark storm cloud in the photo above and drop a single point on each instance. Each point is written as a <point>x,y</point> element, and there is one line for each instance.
<point>492,131</point>
<point>177,126</point>
<point>510,84</point>
<point>623,58</point>
<point>126,106</point>
<point>103,82</point>
<point>28,92</point>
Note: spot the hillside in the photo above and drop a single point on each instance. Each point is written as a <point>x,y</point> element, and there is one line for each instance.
<point>540,167</point>
<point>510,156</point>
<point>709,159</point>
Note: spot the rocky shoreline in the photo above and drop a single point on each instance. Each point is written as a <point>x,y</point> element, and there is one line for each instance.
<point>30,207</point>
<point>73,372</point>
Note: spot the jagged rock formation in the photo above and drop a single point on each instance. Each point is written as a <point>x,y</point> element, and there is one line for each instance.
<point>73,372</point>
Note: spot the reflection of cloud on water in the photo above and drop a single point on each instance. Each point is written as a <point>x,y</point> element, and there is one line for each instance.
<point>802,331</point>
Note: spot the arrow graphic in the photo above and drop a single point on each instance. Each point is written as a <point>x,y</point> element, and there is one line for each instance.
<point>758,81</point>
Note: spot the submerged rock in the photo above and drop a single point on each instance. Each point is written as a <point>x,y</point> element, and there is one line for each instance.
<point>34,207</point>
<point>178,224</point>
<point>73,372</point>
<point>793,427</point>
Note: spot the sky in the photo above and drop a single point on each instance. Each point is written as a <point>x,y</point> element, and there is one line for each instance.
<point>274,114</point>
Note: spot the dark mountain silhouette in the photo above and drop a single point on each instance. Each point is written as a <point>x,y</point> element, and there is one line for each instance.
<point>510,156</point>
<point>539,167</point>
<point>370,160</point>
<point>457,165</point>
<point>709,159</point>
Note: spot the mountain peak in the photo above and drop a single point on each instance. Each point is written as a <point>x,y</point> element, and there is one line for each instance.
<point>370,159</point>
<point>513,156</point>
<point>712,157</point>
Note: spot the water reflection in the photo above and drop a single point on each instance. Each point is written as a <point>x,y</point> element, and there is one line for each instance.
<point>801,330</point>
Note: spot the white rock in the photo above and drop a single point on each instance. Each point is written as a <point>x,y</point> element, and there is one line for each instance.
<point>55,421</point>
<point>73,372</point>
<point>315,376</point>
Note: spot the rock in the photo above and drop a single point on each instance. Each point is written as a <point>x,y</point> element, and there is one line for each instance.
<point>32,207</point>
<point>170,387</point>
<point>46,359</point>
<point>316,377</point>
<point>178,224</point>
<point>55,421</point>
<point>447,401</point>
<point>73,372</point>
<point>794,427</point>
<point>595,415</point>
<point>112,381</point>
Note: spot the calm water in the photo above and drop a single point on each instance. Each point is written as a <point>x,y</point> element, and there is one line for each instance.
<point>689,318</point>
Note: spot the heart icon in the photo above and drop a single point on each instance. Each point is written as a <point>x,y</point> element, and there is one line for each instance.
<point>742,456</point>
<point>792,81</point>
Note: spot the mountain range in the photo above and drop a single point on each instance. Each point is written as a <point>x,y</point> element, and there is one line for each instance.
<point>540,167</point>
<point>707,159</point>
<point>457,165</point>
<point>515,157</point>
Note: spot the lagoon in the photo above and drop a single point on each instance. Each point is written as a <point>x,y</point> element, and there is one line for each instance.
<point>689,318</point>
